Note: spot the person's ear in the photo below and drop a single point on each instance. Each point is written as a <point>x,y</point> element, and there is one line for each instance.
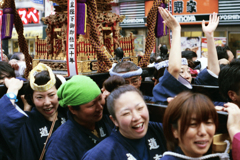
<point>175,133</point>
<point>232,95</point>
<point>73,111</point>
<point>140,78</point>
<point>114,121</point>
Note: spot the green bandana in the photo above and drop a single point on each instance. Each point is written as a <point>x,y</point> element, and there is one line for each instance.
<point>77,91</point>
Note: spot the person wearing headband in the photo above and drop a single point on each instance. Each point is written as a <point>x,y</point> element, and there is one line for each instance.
<point>86,126</point>
<point>24,134</point>
<point>129,71</point>
<point>177,77</point>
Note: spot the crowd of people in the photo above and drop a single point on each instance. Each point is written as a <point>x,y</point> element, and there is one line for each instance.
<point>75,119</point>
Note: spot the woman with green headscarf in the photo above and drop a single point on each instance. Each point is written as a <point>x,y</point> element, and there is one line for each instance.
<point>86,126</point>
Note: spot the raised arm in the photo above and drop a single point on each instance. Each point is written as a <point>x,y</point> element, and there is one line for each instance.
<point>175,53</point>
<point>13,85</point>
<point>213,64</point>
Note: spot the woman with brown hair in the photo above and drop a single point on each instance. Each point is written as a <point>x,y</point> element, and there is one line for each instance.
<point>189,124</point>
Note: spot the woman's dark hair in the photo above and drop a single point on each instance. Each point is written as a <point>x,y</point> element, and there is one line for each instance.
<point>182,107</point>
<point>114,95</point>
<point>40,79</point>
<point>113,82</point>
<point>6,70</point>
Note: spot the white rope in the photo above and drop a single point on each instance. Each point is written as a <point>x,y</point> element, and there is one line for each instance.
<point>222,156</point>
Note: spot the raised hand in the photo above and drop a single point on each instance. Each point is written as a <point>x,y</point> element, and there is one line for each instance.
<point>168,18</point>
<point>212,25</point>
<point>13,83</point>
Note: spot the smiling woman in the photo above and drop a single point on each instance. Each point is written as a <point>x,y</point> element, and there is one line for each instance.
<point>134,137</point>
<point>24,133</point>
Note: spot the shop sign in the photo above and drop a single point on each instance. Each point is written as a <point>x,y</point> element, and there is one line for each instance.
<point>29,15</point>
<point>134,13</point>
<point>49,9</point>
<point>193,11</point>
<point>229,12</point>
<point>134,20</point>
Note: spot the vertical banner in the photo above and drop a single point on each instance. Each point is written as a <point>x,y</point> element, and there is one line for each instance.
<point>170,32</point>
<point>71,38</point>
<point>0,37</point>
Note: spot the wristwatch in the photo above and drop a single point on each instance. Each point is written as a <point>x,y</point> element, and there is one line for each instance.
<point>11,95</point>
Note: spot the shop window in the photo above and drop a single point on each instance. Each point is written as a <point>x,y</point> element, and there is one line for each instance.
<point>234,43</point>
<point>15,46</point>
<point>220,34</point>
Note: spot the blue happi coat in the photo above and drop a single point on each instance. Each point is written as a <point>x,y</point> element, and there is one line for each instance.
<point>117,147</point>
<point>169,86</point>
<point>23,134</point>
<point>71,140</point>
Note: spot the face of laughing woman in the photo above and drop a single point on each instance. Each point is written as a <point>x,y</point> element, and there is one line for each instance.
<point>46,102</point>
<point>131,115</point>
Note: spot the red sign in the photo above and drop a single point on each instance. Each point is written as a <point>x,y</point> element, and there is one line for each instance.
<point>29,15</point>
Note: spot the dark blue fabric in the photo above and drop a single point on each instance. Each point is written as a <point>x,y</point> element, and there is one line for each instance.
<point>169,86</point>
<point>20,135</point>
<point>21,78</point>
<point>147,98</point>
<point>139,145</point>
<point>71,140</point>
<point>115,147</point>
